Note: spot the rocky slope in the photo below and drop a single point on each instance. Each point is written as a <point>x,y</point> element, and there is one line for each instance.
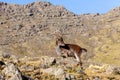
<point>53,68</point>
<point>25,30</point>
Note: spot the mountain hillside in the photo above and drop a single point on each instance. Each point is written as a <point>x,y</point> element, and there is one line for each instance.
<point>27,30</point>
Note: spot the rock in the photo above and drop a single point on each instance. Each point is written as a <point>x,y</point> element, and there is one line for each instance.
<point>58,72</point>
<point>6,55</point>
<point>72,76</point>
<point>98,68</point>
<point>80,71</point>
<point>27,68</point>
<point>43,66</point>
<point>109,69</point>
<point>12,72</point>
<point>48,61</point>
<point>18,27</point>
<point>69,62</point>
<point>2,77</point>
<point>14,59</point>
<point>68,77</point>
<point>96,78</point>
<point>117,70</point>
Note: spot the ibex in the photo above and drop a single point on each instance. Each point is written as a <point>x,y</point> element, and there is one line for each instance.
<point>69,49</point>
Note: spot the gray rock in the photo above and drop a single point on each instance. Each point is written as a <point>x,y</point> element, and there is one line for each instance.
<point>80,71</point>
<point>2,77</point>
<point>58,72</point>
<point>43,66</point>
<point>48,61</point>
<point>117,70</point>
<point>68,77</point>
<point>6,55</point>
<point>27,68</point>
<point>110,69</point>
<point>12,72</point>
<point>96,78</point>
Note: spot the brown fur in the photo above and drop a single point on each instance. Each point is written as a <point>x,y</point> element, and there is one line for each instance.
<point>69,49</point>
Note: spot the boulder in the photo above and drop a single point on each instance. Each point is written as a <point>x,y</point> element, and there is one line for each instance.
<point>47,61</point>
<point>11,72</point>
<point>56,71</point>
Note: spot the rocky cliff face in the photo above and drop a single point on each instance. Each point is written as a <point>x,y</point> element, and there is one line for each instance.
<point>27,29</point>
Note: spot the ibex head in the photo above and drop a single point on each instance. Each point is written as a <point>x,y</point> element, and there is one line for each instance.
<point>59,39</point>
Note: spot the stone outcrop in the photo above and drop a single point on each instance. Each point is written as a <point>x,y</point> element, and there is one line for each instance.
<point>11,72</point>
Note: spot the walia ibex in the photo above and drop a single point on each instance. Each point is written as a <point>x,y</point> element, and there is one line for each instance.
<point>72,50</point>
